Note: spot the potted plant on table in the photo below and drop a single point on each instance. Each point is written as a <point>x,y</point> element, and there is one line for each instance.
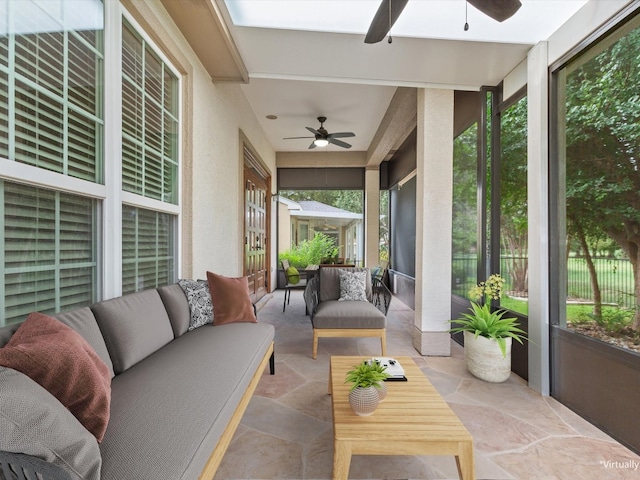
<point>366,379</point>
<point>487,333</point>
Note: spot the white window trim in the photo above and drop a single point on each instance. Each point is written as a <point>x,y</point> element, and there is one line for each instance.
<point>117,197</point>
<point>111,273</point>
<point>11,170</point>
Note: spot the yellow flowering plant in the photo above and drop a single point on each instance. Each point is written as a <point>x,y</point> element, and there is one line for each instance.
<point>482,321</point>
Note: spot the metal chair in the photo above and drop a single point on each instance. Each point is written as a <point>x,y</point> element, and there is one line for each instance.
<point>21,466</point>
<point>296,281</point>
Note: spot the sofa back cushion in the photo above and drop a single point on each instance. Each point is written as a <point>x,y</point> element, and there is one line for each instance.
<point>177,306</point>
<point>330,282</point>
<point>82,321</point>
<point>34,422</point>
<point>133,327</point>
<point>7,332</point>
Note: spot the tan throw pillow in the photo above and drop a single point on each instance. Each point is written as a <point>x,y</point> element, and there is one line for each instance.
<point>63,363</point>
<point>230,298</point>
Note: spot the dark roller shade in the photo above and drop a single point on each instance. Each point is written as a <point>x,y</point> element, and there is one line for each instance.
<point>351,178</point>
<point>402,207</point>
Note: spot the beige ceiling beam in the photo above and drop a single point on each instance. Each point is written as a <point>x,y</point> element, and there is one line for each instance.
<point>320,158</point>
<point>396,125</point>
<point>202,24</point>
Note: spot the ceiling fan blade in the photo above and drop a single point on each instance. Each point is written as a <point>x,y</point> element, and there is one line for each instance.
<point>313,130</point>
<point>382,21</point>
<point>313,145</point>
<point>499,10</point>
<point>292,138</point>
<point>339,143</point>
<point>341,135</point>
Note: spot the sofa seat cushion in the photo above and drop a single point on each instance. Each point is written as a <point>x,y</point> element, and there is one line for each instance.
<point>169,410</point>
<point>348,314</point>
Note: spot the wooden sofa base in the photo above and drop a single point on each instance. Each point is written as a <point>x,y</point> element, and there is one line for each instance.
<point>349,332</point>
<point>213,463</point>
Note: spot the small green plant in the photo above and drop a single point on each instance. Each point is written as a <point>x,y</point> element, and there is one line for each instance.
<point>310,252</point>
<point>367,374</point>
<point>614,320</point>
<point>482,321</point>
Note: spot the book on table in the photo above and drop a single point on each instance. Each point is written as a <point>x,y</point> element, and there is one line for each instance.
<point>392,367</point>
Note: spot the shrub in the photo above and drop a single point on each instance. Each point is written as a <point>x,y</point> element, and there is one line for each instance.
<point>310,252</point>
<point>614,320</point>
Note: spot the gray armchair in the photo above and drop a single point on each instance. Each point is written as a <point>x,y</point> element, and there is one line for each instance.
<point>333,318</point>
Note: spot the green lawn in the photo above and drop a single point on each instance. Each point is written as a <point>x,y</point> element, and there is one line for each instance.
<point>615,277</point>
<point>575,313</point>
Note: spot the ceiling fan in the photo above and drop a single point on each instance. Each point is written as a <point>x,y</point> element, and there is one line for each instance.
<point>326,227</point>
<point>389,11</point>
<point>322,138</point>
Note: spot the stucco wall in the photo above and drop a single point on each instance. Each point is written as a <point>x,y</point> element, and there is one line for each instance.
<point>212,185</point>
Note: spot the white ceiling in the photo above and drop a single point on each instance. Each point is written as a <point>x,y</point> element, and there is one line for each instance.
<point>328,70</point>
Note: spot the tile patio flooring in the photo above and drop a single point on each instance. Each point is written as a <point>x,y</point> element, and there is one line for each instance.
<point>286,432</point>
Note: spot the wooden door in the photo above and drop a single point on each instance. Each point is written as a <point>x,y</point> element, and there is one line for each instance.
<point>256,227</point>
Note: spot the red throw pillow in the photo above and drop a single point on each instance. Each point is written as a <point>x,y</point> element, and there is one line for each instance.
<point>63,363</point>
<point>230,298</point>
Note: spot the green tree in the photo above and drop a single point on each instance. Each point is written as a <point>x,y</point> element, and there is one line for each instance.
<point>465,215</point>
<point>349,200</point>
<point>602,146</point>
<point>513,193</point>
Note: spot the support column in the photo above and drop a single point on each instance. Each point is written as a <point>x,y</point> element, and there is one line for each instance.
<point>434,210</point>
<point>372,217</point>
<point>538,204</point>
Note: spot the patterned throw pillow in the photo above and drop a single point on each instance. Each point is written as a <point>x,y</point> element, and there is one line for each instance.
<point>199,298</point>
<point>352,286</point>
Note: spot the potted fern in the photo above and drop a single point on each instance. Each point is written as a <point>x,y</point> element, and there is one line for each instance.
<point>488,334</point>
<point>365,378</point>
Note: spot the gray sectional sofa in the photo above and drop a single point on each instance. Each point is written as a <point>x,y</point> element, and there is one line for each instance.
<point>177,396</point>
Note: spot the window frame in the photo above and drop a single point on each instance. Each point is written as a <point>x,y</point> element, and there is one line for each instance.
<point>17,172</point>
<point>130,199</point>
<point>109,195</point>
<point>590,45</point>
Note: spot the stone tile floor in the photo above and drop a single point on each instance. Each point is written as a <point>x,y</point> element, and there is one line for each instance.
<point>286,432</point>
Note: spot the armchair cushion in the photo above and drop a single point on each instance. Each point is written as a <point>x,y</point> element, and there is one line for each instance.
<point>330,282</point>
<point>348,314</point>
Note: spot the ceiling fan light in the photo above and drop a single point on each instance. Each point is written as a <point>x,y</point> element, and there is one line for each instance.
<point>321,142</point>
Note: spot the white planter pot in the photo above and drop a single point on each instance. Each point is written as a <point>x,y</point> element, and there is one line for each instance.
<point>364,401</point>
<point>382,391</point>
<point>484,358</point>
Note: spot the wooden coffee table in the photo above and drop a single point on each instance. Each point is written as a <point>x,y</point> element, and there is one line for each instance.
<point>413,420</point>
